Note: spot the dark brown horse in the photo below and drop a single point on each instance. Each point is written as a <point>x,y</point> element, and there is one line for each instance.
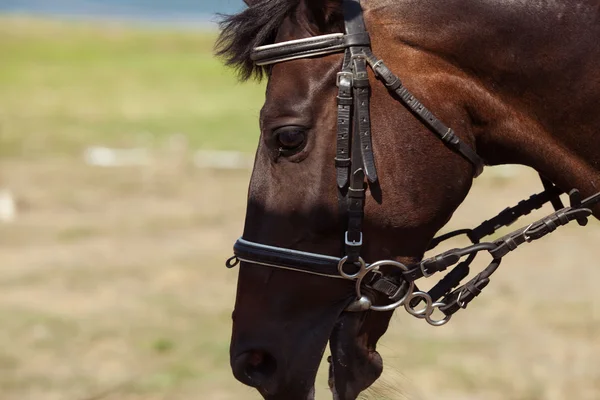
<point>517,81</point>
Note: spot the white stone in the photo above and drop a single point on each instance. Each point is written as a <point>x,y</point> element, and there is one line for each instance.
<point>108,157</point>
<point>8,207</point>
<point>222,160</point>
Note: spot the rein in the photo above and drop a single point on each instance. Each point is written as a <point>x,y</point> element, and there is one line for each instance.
<point>355,169</point>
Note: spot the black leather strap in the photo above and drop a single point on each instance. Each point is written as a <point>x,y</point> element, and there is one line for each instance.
<point>355,25</point>
<point>304,48</point>
<point>549,186</point>
<point>511,214</point>
<point>344,122</point>
<point>357,39</point>
<point>362,117</point>
<point>279,257</point>
<point>537,230</point>
<point>356,197</point>
<point>362,160</point>
<point>353,17</point>
<point>447,135</point>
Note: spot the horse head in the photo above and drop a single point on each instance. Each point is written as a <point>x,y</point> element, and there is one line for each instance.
<point>370,176</point>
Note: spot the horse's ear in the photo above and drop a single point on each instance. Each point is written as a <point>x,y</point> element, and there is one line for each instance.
<point>250,3</point>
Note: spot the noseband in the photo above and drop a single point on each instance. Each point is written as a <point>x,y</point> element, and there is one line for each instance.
<point>355,170</point>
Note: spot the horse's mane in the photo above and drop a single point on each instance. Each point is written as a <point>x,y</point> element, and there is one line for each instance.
<point>255,26</point>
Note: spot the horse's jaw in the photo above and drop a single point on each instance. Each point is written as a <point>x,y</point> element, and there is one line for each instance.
<point>354,364</point>
<point>343,389</point>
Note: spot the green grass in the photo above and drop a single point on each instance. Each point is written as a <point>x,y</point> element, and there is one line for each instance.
<point>66,85</point>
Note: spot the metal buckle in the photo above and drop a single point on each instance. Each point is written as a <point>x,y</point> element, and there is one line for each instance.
<point>375,65</point>
<point>460,303</point>
<point>398,292</point>
<point>375,274</point>
<point>353,243</point>
<point>526,236</point>
<point>375,266</point>
<point>341,76</point>
<point>425,274</point>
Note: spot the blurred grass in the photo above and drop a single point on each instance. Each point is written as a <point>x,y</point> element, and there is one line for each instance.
<point>66,85</point>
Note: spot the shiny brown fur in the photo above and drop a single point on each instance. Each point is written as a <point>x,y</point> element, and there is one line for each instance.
<point>519,81</point>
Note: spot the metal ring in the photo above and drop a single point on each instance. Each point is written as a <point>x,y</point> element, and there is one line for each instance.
<point>419,313</point>
<point>357,286</point>
<point>363,268</point>
<point>374,267</point>
<point>436,322</point>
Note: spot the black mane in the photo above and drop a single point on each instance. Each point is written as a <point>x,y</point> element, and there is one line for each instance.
<point>255,26</point>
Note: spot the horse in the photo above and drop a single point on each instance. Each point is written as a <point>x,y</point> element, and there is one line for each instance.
<point>355,165</point>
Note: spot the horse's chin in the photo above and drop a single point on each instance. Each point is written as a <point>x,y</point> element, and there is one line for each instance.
<point>354,364</point>
<point>310,395</point>
<point>351,390</point>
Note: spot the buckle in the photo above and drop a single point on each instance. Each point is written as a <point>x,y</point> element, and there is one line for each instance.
<point>424,272</point>
<point>353,243</point>
<point>344,79</point>
<point>400,292</point>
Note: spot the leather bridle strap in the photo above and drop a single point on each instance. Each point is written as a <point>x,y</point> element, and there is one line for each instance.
<point>358,43</point>
<point>362,161</point>
<point>319,264</point>
<point>329,266</point>
<point>308,47</point>
<point>344,113</point>
<point>279,257</point>
<point>446,135</point>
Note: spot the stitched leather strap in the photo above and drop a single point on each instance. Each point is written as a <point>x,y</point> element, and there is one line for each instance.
<point>279,257</point>
<point>362,119</point>
<point>344,122</point>
<point>447,135</point>
<point>308,47</point>
<point>362,160</point>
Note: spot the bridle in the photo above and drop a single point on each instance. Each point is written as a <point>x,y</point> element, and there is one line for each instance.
<point>355,170</point>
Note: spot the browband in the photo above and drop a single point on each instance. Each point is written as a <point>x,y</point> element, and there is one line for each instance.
<point>308,47</point>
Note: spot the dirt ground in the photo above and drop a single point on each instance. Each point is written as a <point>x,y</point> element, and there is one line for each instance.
<point>113,287</point>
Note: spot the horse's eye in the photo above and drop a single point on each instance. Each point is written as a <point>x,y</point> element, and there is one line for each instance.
<point>291,137</point>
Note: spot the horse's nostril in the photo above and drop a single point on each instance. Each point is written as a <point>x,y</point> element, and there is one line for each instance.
<point>256,358</point>
<point>254,368</point>
<point>261,365</point>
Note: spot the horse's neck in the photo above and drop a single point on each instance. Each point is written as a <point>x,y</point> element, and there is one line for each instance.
<point>534,89</point>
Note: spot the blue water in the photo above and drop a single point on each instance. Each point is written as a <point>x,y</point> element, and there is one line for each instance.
<point>181,12</point>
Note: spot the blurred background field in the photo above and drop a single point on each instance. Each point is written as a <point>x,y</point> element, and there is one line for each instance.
<point>66,85</point>
<point>112,278</point>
